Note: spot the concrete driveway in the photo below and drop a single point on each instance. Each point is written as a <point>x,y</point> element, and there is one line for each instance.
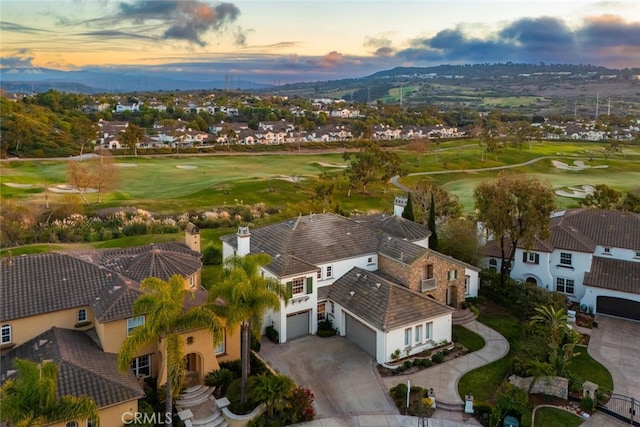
<point>342,377</point>
<point>616,344</point>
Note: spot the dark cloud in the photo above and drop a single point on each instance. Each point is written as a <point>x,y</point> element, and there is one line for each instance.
<point>381,46</point>
<point>610,30</point>
<point>116,34</point>
<point>17,28</point>
<point>531,40</point>
<point>384,51</point>
<point>187,20</point>
<point>22,59</point>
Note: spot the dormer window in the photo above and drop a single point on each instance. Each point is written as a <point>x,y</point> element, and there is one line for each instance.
<point>81,316</point>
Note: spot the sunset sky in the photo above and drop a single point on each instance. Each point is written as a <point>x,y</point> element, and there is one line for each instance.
<point>304,40</point>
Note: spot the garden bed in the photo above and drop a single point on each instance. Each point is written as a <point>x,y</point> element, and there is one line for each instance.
<point>424,360</point>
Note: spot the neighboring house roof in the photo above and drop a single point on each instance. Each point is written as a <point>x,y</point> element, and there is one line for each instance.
<point>382,303</point>
<point>84,369</point>
<point>583,229</point>
<point>614,274</point>
<point>396,226</point>
<point>44,283</point>
<point>323,292</point>
<point>161,260</point>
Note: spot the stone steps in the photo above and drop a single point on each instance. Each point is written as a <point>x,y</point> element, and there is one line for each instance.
<point>460,317</point>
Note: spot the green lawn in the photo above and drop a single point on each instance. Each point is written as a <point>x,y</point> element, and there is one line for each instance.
<point>483,382</point>
<point>468,338</point>
<point>590,369</point>
<point>553,417</point>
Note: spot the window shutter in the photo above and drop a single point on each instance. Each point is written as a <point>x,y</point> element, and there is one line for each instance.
<point>289,289</point>
<point>537,258</point>
<point>524,257</point>
<point>309,285</point>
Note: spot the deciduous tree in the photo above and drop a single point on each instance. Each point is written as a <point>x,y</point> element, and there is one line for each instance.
<point>105,173</point>
<point>604,197</point>
<point>80,176</point>
<point>516,210</point>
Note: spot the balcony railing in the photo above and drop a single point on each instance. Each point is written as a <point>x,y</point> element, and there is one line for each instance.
<point>428,284</point>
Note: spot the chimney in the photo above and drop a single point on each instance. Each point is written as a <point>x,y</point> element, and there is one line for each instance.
<point>399,204</point>
<point>192,237</point>
<point>244,240</point>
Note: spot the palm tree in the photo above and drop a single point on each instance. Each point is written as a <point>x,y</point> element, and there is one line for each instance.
<point>555,323</point>
<point>30,399</point>
<point>242,298</point>
<point>166,318</point>
<point>273,390</point>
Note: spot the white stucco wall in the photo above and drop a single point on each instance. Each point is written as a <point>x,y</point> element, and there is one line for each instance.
<point>341,267</point>
<point>441,331</point>
<point>618,253</point>
<point>474,282</point>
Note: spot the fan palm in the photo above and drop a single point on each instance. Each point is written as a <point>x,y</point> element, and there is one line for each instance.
<point>242,298</point>
<point>163,305</point>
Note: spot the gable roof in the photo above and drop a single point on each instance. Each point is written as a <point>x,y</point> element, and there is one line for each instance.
<point>382,303</point>
<point>84,369</point>
<point>610,273</point>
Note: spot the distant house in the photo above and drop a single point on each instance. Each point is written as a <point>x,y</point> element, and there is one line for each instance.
<point>128,106</point>
<point>382,291</point>
<point>592,256</point>
<point>75,308</point>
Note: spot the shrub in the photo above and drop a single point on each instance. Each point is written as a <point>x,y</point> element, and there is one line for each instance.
<point>396,354</point>
<point>211,256</point>
<point>407,364</point>
<point>326,329</point>
<point>235,366</point>
<point>399,392</point>
<point>219,379</point>
<point>587,404</point>
<point>272,334</point>
<point>438,357</point>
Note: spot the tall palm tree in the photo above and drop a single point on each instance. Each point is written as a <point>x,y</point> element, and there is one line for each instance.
<point>30,399</point>
<point>163,305</point>
<point>242,298</point>
<point>554,321</point>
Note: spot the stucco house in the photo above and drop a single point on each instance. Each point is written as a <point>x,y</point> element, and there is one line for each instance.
<point>75,308</point>
<point>384,292</point>
<point>592,256</point>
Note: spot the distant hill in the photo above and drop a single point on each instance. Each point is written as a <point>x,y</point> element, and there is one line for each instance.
<point>98,81</point>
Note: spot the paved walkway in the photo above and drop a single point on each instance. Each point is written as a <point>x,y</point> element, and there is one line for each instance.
<point>444,378</point>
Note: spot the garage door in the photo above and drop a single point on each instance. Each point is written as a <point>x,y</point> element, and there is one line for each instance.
<point>297,325</point>
<point>619,307</point>
<point>360,334</point>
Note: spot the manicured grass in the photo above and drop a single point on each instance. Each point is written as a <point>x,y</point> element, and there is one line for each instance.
<point>31,249</point>
<point>508,325</point>
<point>483,382</point>
<point>468,338</point>
<point>590,369</point>
<point>553,417</point>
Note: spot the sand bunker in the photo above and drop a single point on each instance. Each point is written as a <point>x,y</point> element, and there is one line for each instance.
<point>577,192</point>
<point>578,165</point>
<point>186,167</point>
<point>332,165</point>
<point>291,178</point>
<point>126,165</point>
<point>16,185</point>
<point>64,188</point>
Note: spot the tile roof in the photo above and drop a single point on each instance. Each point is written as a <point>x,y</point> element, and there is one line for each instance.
<point>395,226</point>
<point>606,227</point>
<point>161,260</point>
<point>614,274</point>
<point>84,369</point>
<point>381,302</point>
<point>43,283</point>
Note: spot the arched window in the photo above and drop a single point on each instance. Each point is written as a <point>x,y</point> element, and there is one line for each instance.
<point>82,315</point>
<point>72,424</point>
<point>532,280</point>
<point>5,334</point>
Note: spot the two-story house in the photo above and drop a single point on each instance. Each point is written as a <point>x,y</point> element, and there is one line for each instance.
<point>75,308</point>
<point>592,256</point>
<point>381,291</point>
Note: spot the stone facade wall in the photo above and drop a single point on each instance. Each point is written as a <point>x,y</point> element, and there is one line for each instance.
<point>412,275</point>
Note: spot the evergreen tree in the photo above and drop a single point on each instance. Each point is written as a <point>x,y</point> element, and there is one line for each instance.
<point>433,239</point>
<point>408,210</point>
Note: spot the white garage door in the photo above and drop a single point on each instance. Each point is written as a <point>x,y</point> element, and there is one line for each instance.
<point>298,325</point>
<point>360,334</point>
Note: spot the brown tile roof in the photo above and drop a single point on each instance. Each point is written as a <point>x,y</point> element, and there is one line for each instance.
<point>296,246</point>
<point>606,227</point>
<point>44,283</point>
<point>614,274</point>
<point>382,303</point>
<point>161,260</point>
<point>84,369</point>
<point>395,226</point>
